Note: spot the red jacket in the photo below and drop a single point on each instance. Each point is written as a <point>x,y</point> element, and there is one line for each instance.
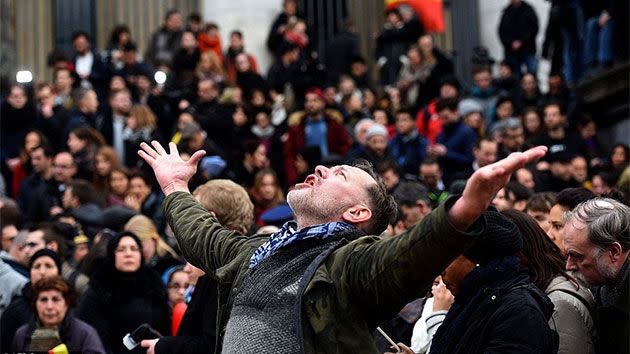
<point>338,143</point>
<point>434,128</point>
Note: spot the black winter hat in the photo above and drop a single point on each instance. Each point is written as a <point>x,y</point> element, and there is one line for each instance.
<point>45,252</point>
<point>501,238</point>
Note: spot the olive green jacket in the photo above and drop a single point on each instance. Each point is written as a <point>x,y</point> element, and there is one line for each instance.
<point>359,285</point>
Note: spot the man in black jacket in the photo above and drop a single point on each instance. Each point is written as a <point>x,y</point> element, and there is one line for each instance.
<point>230,203</point>
<point>497,307</point>
<point>517,30</point>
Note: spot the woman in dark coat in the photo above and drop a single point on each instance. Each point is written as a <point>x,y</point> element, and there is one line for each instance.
<point>54,324</point>
<point>44,263</point>
<point>497,308</point>
<point>124,294</point>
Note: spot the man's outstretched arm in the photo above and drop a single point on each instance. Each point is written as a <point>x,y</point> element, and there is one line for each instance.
<point>390,272</point>
<point>203,241</point>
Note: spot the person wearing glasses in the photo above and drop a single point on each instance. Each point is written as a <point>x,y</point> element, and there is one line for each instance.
<point>123,294</point>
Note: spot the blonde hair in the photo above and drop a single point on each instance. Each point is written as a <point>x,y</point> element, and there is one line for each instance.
<point>145,229</point>
<point>144,116</point>
<point>228,201</point>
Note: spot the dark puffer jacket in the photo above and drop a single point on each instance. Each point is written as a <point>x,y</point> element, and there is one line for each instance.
<point>497,310</point>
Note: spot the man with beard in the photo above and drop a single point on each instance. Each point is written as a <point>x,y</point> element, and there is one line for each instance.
<point>320,284</point>
<point>315,128</point>
<point>597,244</point>
<point>558,138</point>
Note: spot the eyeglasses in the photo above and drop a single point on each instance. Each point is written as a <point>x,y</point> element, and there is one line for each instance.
<point>64,167</point>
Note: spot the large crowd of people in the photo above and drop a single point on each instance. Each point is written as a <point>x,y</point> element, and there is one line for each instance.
<point>98,238</point>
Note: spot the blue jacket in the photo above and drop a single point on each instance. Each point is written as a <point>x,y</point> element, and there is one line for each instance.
<point>409,151</point>
<point>459,140</point>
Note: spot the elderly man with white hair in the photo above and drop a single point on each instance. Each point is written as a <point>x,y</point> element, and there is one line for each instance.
<point>597,243</point>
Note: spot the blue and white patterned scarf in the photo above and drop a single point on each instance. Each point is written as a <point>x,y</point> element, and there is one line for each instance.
<point>289,234</point>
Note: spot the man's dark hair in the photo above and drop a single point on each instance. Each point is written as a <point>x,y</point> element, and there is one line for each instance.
<point>447,103</point>
<point>48,151</point>
<point>10,215</point>
<point>130,47</point>
<point>480,69</point>
<point>519,191</point>
<point>383,206</point>
<point>140,175</point>
<point>482,139</point>
<point>194,16</point>
<point>357,59</point>
<point>429,162</point>
<point>609,178</point>
<point>407,111</point>
<point>211,25</point>
<point>83,190</point>
<point>388,165</point>
<point>541,202</point>
<point>409,193</point>
<point>288,47</point>
<point>237,33</point>
<point>554,102</point>
<point>78,34</point>
<point>52,234</point>
<point>170,13</point>
<point>570,197</point>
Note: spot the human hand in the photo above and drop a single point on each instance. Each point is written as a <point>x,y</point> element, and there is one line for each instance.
<point>47,110</point>
<point>439,150</point>
<point>171,171</point>
<point>442,297</point>
<point>485,183</point>
<point>149,344</point>
<point>132,203</point>
<point>403,350</point>
<point>56,210</point>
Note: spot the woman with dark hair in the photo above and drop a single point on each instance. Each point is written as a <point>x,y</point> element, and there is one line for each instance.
<point>123,294</point>
<point>619,157</point>
<point>54,324</point>
<point>83,143</point>
<point>254,159</point>
<point>572,300</point>
<point>44,263</point>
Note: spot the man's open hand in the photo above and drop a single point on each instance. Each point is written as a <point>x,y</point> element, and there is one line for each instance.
<point>171,171</point>
<point>485,183</point>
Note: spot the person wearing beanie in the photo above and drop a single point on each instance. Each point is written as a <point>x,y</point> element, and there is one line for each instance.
<point>496,304</point>
<point>44,263</point>
<point>472,114</point>
<point>123,294</point>
<point>375,149</point>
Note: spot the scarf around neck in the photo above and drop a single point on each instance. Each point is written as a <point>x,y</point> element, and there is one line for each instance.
<point>289,234</point>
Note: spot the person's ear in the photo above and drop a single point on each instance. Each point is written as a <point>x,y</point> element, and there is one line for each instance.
<point>357,214</point>
<point>616,252</point>
<point>53,246</point>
